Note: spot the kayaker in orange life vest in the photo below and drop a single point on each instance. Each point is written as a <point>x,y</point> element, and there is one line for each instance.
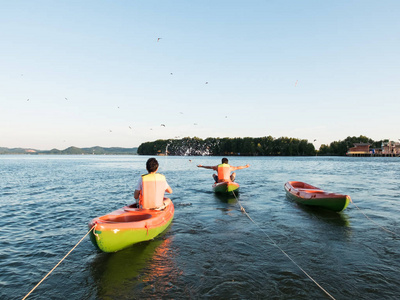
<point>151,187</point>
<point>224,171</point>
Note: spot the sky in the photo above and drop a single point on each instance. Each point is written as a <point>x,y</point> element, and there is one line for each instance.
<point>120,73</point>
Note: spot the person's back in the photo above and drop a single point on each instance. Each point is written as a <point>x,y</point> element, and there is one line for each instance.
<point>154,186</point>
<point>224,172</point>
<point>151,187</point>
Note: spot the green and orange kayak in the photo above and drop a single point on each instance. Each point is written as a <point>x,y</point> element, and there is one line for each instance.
<point>228,187</point>
<point>130,225</point>
<point>307,194</point>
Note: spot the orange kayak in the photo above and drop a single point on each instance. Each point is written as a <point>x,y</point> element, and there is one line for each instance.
<point>130,225</point>
<point>307,194</point>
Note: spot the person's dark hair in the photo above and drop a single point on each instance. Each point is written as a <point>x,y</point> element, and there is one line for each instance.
<point>151,165</point>
<point>224,160</point>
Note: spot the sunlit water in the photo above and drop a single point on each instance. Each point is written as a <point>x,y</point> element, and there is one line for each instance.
<point>212,249</point>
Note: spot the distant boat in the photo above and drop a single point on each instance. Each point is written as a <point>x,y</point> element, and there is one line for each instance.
<point>307,194</point>
<point>130,225</point>
<point>226,187</point>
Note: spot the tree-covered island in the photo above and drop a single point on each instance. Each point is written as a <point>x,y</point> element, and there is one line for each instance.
<point>248,146</point>
<point>263,146</point>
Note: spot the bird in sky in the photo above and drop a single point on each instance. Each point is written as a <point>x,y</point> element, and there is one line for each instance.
<point>110,130</point>
<point>206,82</point>
<point>66,98</point>
<point>162,125</point>
<point>27,99</point>
<point>314,140</point>
<point>130,127</point>
<point>195,124</point>
<point>172,74</point>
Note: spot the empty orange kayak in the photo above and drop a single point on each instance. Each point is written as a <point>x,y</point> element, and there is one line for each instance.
<point>130,225</point>
<point>307,194</point>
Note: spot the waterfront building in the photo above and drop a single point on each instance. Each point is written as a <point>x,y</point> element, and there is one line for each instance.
<point>359,149</point>
<point>389,148</point>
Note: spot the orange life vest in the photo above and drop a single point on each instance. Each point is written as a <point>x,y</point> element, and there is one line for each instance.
<point>224,172</point>
<point>153,189</point>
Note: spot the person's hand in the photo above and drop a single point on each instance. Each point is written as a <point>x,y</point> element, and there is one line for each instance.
<point>247,165</point>
<point>199,166</point>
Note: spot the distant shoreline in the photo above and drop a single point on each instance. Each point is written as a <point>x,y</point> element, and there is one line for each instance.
<point>71,151</point>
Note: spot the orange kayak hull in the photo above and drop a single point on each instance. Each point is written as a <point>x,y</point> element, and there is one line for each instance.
<point>129,225</point>
<point>307,194</point>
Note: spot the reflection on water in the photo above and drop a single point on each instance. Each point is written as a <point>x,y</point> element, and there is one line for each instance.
<point>125,273</point>
<point>340,219</point>
<point>226,198</point>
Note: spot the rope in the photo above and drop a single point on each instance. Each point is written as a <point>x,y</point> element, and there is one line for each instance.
<point>383,228</point>
<point>58,263</point>
<point>276,245</point>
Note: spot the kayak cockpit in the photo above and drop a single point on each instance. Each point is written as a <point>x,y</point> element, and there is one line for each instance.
<point>123,218</point>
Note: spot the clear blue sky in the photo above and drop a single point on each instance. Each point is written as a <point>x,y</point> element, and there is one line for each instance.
<point>319,70</point>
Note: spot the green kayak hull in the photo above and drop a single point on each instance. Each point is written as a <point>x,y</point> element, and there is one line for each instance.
<point>309,195</point>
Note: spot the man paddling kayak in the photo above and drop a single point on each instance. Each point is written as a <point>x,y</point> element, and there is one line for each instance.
<point>224,171</point>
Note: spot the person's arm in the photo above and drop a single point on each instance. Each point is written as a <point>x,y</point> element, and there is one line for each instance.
<point>168,188</point>
<point>207,167</point>
<point>240,167</point>
<point>136,194</point>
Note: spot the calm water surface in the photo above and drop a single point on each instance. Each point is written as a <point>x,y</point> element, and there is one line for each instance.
<point>212,250</point>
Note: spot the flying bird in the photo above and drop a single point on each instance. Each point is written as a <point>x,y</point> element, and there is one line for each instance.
<point>130,127</point>
<point>195,124</point>
<point>206,82</point>
<point>27,99</point>
<point>314,140</point>
<point>66,98</point>
<point>162,125</point>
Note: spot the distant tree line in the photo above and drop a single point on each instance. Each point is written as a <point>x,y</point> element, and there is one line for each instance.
<point>262,146</point>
